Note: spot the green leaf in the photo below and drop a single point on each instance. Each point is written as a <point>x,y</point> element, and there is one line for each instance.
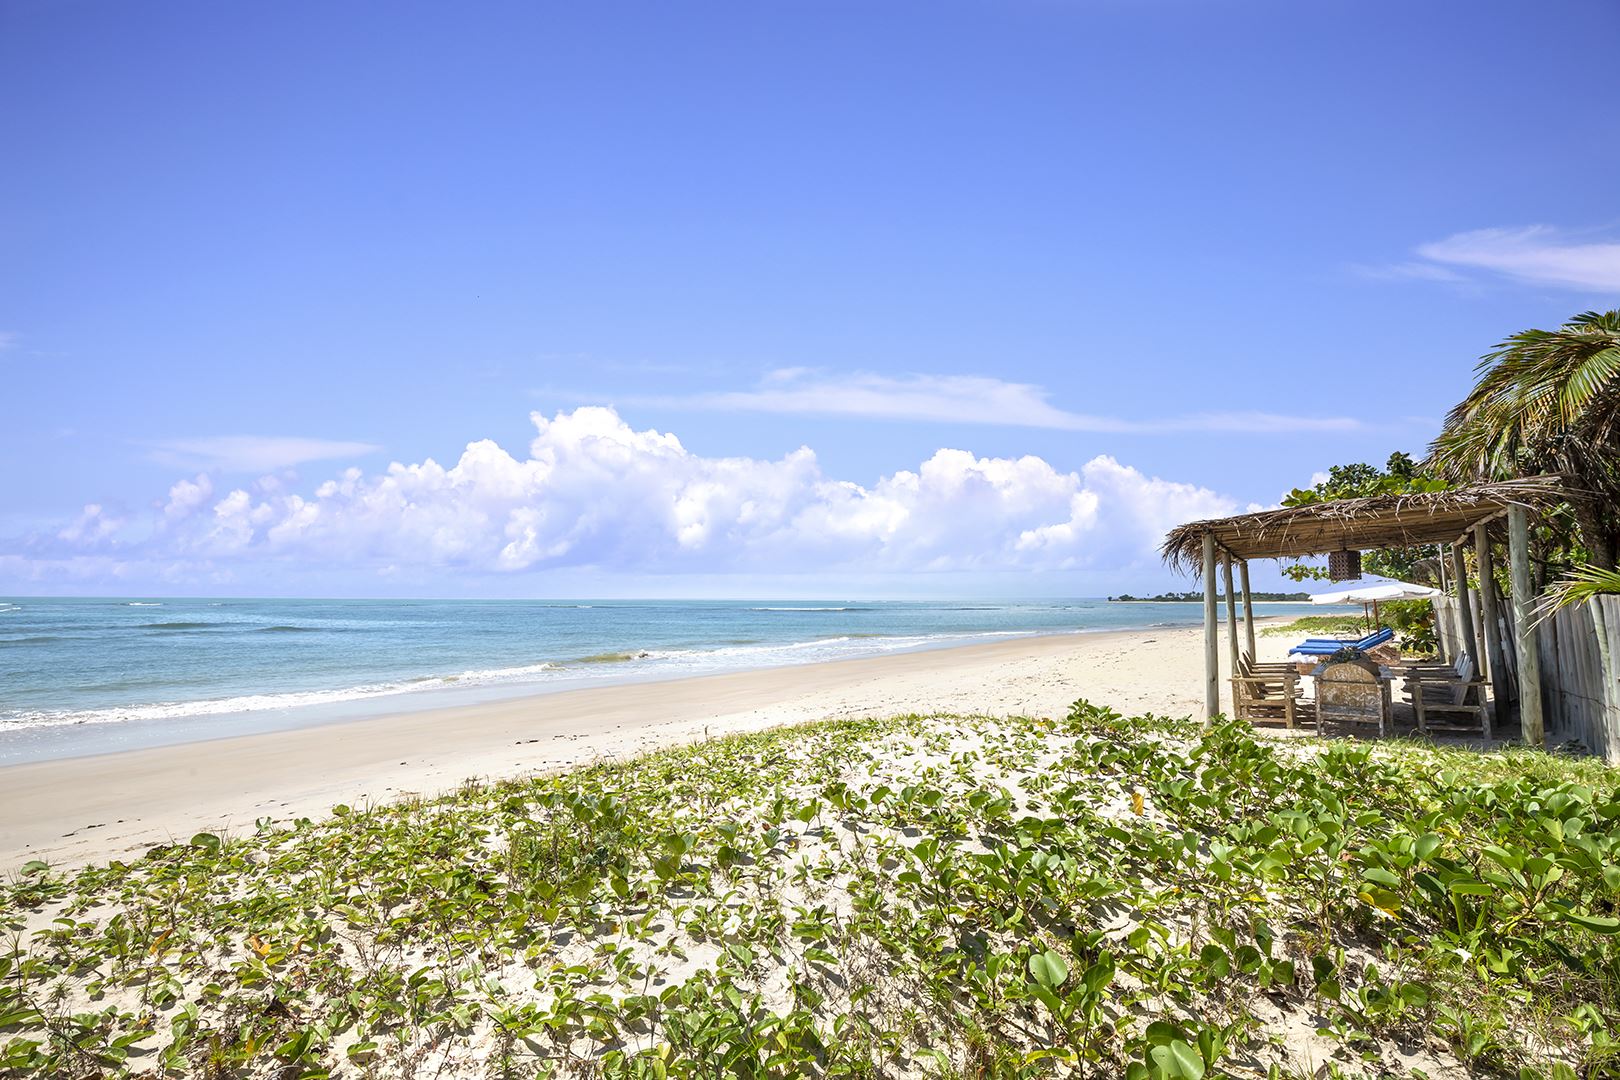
<point>1215,961</point>
<point>1161,1033</point>
<point>296,1047</point>
<point>1427,845</point>
<point>1384,900</point>
<point>1048,998</point>
<point>1178,1061</point>
<point>1100,974</point>
<point>1048,969</point>
<point>1598,924</point>
<point>1383,877</point>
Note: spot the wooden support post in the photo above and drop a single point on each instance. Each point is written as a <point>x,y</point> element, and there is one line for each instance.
<point>1212,661</point>
<point>1441,624</point>
<point>1490,661</point>
<point>1231,614</point>
<point>1530,721</point>
<point>1248,610</point>
<point>1609,736</point>
<point>1465,607</point>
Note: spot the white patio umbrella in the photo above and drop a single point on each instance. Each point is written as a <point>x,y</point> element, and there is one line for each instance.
<point>1377,594</point>
<point>1373,595</point>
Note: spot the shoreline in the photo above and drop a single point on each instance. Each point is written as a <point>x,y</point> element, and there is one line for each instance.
<point>77,810</point>
<point>348,705</point>
<point>91,678</point>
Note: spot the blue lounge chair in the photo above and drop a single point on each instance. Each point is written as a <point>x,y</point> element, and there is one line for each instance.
<point>1329,646</point>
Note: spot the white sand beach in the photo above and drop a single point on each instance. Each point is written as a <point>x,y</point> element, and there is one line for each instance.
<point>89,809</point>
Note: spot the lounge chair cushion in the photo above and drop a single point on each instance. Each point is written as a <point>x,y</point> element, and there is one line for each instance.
<point>1329,646</point>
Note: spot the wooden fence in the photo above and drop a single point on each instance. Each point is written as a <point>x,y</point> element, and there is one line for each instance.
<point>1579,647</point>
<point>1580,653</point>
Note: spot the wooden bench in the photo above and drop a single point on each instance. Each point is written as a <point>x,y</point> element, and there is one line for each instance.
<point>1449,699</point>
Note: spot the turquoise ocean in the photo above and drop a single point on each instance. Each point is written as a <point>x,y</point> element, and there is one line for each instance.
<point>81,676</point>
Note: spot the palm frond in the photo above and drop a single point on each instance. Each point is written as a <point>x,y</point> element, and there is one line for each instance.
<point>1544,401</point>
<point>1576,587</point>
<point>1590,377</point>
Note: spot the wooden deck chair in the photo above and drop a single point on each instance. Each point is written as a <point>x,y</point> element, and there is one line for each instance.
<point>1247,665</point>
<point>1449,701</point>
<point>1273,672</point>
<point>1451,669</point>
<point>1270,697</point>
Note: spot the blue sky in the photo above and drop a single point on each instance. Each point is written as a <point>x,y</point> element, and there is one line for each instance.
<point>1139,261</point>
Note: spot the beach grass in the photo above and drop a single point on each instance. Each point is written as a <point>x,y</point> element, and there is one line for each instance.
<point>1329,625</point>
<point>945,896</point>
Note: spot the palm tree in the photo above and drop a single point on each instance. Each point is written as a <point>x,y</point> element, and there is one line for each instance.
<point>1547,401</point>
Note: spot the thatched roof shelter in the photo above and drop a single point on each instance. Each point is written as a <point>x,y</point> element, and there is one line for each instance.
<point>1381,521</point>
<point>1457,517</point>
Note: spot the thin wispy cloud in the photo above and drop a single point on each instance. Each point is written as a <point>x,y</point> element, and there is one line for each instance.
<point>8,340</point>
<point>1534,254</point>
<point>965,399</point>
<point>253,453</point>
<point>1411,271</point>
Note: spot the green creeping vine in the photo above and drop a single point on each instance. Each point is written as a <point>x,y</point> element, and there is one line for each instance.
<point>918,896</point>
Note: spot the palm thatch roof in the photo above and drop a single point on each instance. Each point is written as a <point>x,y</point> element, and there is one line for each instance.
<point>1381,521</point>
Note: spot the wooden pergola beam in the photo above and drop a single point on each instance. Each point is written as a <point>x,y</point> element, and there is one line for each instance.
<point>1374,523</point>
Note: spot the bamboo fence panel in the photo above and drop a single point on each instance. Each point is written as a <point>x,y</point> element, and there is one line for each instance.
<point>1580,694</point>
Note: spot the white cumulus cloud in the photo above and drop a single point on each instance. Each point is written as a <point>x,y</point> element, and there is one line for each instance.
<point>186,496</point>
<point>594,492</point>
<point>94,525</point>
